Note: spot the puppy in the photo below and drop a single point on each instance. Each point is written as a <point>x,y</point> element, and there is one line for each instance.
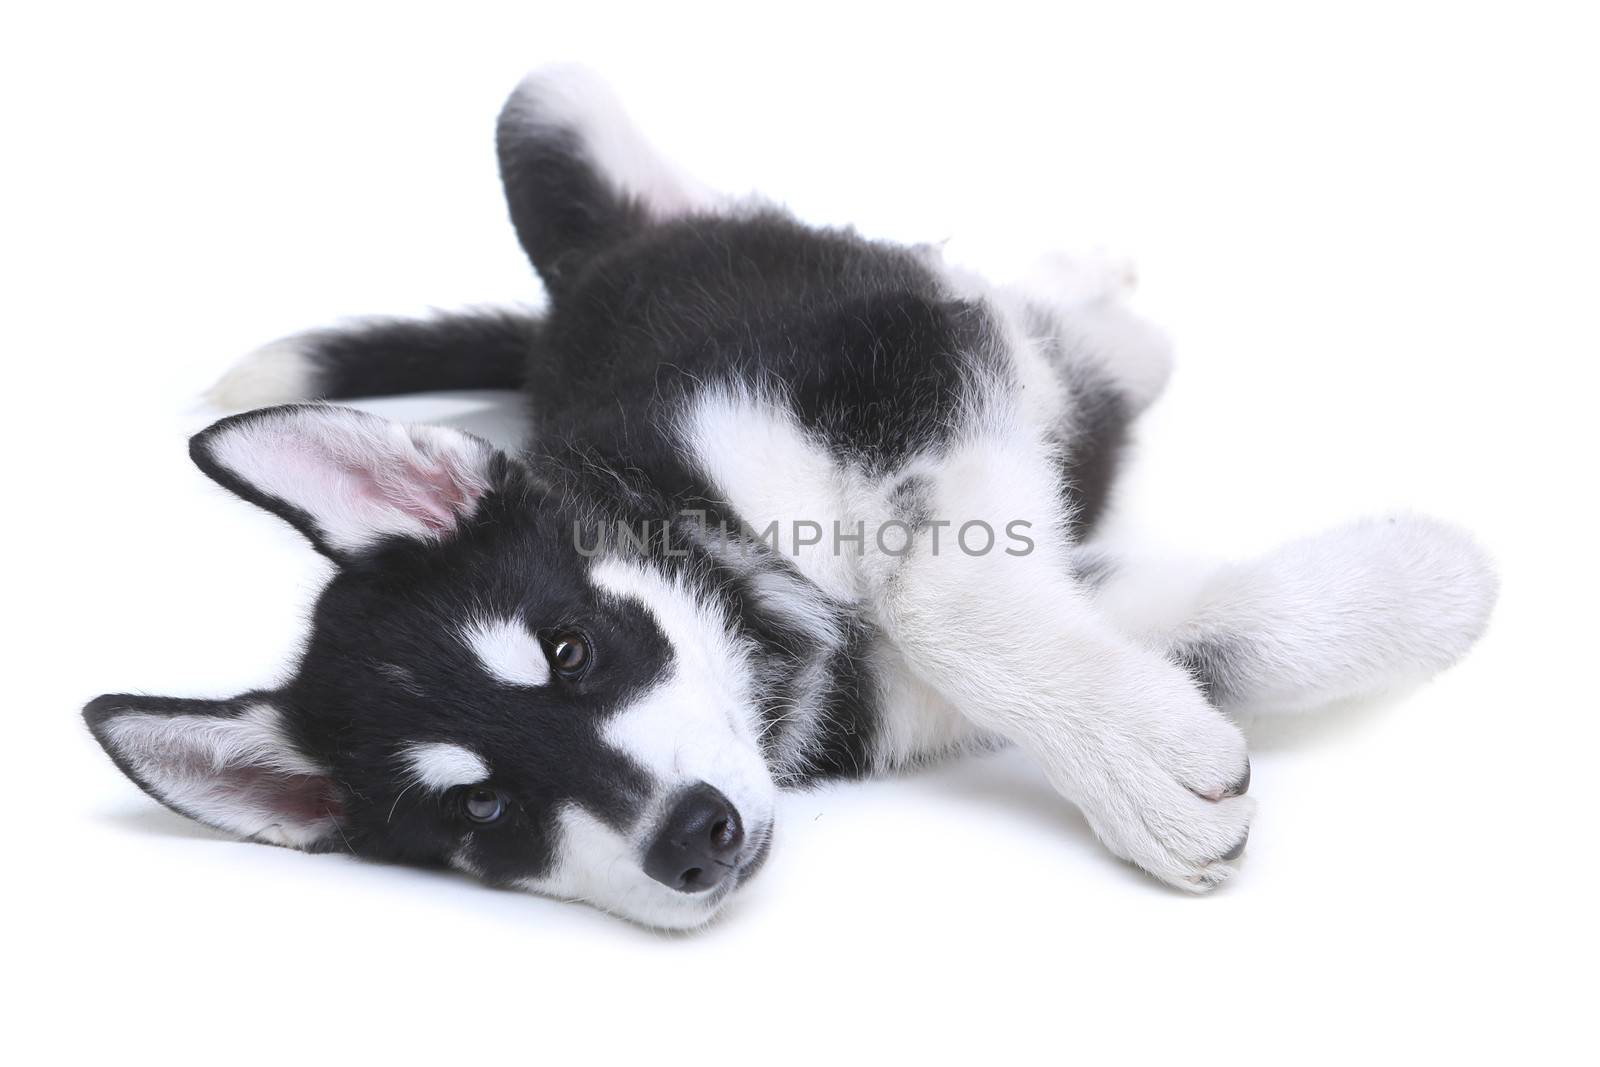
<point>797,505</point>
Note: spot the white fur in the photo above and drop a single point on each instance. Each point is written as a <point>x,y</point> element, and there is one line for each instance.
<point>1013,643</point>
<point>802,607</point>
<point>1132,352</point>
<point>1069,280</point>
<point>764,464</point>
<point>698,724</point>
<point>277,373</point>
<point>1007,640</point>
<point>1345,614</point>
<point>439,765</point>
<point>359,477</point>
<point>1150,598</point>
<point>1085,306</point>
<point>1088,302</point>
<point>1087,684</point>
<point>600,866</point>
<point>973,647</point>
<point>573,98</point>
<point>1043,391</point>
<point>507,651</point>
<point>188,760</point>
<point>916,723</point>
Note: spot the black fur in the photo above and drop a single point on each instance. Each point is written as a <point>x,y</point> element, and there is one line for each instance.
<point>858,335</point>
<point>486,349</point>
<point>1094,454</point>
<point>376,669</point>
<point>864,343</point>
<point>1212,662</point>
<point>560,205</point>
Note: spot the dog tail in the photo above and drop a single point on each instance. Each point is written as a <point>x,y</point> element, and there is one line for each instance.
<point>483,349</point>
<point>578,179</point>
<point>1346,614</point>
<point>578,175</point>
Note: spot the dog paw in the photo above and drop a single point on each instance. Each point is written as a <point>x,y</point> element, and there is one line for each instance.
<point>1066,280</point>
<point>1165,790</point>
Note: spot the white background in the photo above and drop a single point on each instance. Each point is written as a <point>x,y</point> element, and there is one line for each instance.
<point>1374,233</point>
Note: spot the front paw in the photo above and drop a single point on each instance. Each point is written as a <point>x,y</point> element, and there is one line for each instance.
<point>1165,791</point>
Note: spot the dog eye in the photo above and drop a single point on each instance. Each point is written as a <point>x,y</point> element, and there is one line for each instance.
<point>569,654</point>
<point>483,805</point>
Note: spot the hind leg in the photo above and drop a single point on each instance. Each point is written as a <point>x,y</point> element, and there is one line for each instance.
<point>579,175</point>
<point>1076,342</point>
<point>1344,614</point>
<point>1083,306</point>
<point>1077,317</point>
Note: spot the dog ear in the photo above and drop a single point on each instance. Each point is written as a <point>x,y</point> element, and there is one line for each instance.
<point>226,763</point>
<point>346,479</point>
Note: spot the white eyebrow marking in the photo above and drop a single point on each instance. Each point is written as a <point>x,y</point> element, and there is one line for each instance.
<point>507,651</point>
<point>440,765</point>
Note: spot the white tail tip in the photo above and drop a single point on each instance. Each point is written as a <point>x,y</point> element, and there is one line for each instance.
<point>278,373</point>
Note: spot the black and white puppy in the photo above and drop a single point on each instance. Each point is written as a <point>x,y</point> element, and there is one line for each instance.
<point>797,505</point>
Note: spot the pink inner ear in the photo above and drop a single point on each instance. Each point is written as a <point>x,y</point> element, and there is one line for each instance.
<point>303,799</point>
<point>360,478</point>
<point>434,494</point>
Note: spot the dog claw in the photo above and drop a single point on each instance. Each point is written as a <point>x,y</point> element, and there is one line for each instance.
<point>1237,850</point>
<point>1236,789</point>
<point>1242,785</point>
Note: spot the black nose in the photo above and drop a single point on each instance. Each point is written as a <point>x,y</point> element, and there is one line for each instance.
<point>697,842</point>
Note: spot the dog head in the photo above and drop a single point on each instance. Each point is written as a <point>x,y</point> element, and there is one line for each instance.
<point>476,692</point>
